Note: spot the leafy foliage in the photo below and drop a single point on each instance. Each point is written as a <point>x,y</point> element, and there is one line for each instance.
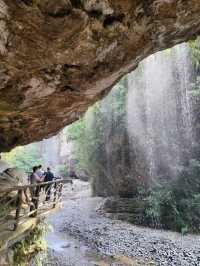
<point>195,92</point>
<point>177,205</point>
<point>33,243</point>
<point>195,52</point>
<point>195,56</point>
<point>92,133</point>
<point>24,157</point>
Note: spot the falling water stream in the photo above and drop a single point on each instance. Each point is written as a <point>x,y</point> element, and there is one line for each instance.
<point>159,111</point>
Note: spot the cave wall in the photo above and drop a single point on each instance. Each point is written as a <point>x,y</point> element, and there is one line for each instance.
<point>59,57</point>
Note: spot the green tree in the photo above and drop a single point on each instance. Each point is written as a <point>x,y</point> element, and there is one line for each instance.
<point>24,157</point>
<point>92,133</point>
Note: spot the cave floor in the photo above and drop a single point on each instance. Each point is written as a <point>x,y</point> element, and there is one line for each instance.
<point>83,237</point>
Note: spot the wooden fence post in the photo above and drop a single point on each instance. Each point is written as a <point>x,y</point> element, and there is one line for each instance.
<point>35,200</point>
<point>55,195</point>
<point>37,195</point>
<point>18,208</point>
<point>31,200</point>
<point>60,192</point>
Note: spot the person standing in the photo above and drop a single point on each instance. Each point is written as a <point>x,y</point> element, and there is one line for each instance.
<point>49,176</point>
<point>40,173</point>
<point>35,179</point>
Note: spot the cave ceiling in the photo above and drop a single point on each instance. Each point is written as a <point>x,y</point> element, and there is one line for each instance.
<point>58,57</point>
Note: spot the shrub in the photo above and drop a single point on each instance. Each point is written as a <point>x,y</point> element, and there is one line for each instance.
<point>33,243</point>
<point>176,206</point>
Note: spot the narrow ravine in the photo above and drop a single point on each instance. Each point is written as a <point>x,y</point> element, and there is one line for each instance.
<point>83,237</point>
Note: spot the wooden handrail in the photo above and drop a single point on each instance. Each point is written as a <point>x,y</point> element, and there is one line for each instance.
<point>8,190</point>
<point>18,208</point>
<point>32,202</point>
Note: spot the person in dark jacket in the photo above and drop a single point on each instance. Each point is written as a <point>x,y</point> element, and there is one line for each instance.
<point>49,176</point>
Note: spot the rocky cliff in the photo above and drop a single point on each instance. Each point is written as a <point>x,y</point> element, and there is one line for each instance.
<point>59,57</point>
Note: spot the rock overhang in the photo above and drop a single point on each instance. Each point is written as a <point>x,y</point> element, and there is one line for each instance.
<point>59,57</point>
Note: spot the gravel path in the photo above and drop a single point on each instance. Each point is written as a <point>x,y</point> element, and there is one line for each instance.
<point>120,240</point>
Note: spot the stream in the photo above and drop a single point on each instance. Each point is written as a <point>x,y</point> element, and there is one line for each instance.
<point>83,237</point>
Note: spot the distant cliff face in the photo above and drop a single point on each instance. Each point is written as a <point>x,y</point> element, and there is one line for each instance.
<point>59,57</point>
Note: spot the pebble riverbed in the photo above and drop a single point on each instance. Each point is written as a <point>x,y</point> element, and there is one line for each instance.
<point>116,239</point>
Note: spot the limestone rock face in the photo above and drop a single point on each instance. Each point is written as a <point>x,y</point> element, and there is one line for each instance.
<point>59,57</point>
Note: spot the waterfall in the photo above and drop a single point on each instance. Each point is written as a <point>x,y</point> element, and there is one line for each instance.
<point>159,113</point>
<point>51,151</point>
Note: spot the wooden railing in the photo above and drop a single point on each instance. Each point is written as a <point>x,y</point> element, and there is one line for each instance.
<point>19,203</point>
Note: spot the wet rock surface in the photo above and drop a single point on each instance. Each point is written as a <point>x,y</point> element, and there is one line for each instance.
<point>59,57</point>
<point>119,240</point>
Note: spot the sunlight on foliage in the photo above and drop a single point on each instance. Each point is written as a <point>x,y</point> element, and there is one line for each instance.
<point>24,157</point>
<point>34,243</point>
